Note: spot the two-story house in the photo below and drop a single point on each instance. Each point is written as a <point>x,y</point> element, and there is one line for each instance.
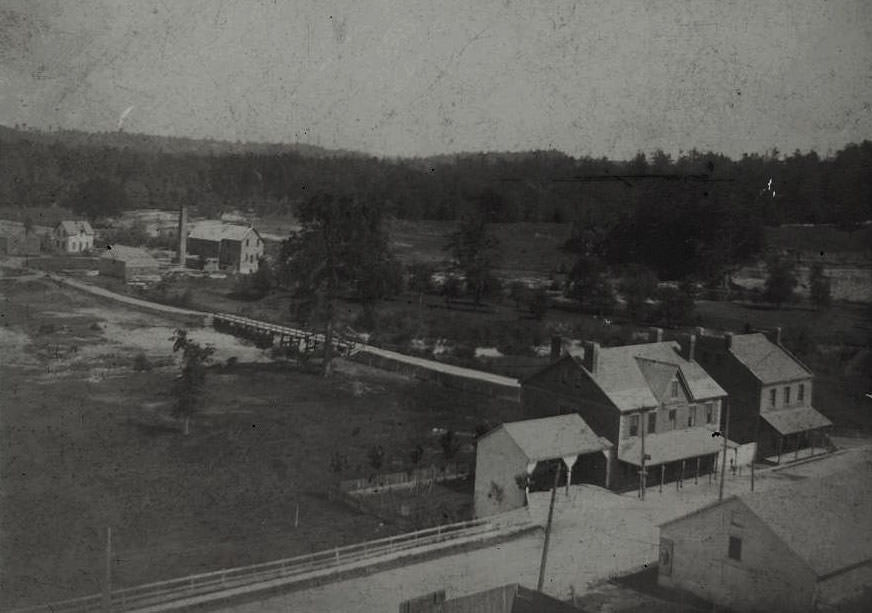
<point>233,247</point>
<point>652,402</point>
<point>73,237</point>
<point>770,392</point>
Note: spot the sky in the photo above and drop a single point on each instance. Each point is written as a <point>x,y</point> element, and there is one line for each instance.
<point>421,77</point>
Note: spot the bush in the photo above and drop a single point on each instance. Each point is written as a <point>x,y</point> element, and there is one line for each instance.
<point>141,363</point>
<point>376,456</point>
<point>450,444</point>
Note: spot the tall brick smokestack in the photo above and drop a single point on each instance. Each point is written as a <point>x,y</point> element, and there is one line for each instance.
<point>181,255</point>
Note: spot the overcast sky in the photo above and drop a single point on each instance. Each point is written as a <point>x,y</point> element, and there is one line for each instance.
<point>418,77</point>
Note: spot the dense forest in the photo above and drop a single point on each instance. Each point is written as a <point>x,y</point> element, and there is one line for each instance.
<point>700,207</point>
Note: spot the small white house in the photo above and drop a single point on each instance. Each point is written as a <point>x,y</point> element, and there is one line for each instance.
<point>73,237</point>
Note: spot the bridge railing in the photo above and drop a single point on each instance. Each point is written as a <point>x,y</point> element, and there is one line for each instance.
<point>165,592</point>
<point>339,341</point>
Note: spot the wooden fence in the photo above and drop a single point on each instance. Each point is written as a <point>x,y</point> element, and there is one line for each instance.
<point>405,479</point>
<point>289,570</point>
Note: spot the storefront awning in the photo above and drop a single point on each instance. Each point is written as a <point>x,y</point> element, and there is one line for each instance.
<point>791,421</point>
<point>670,446</point>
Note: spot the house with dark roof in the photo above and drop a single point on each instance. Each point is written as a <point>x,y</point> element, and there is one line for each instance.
<point>73,237</point>
<point>805,546</point>
<point>653,402</point>
<point>233,247</point>
<point>770,392</point>
<point>518,457</point>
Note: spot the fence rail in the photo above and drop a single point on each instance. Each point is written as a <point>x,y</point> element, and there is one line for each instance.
<point>165,592</point>
<point>405,478</point>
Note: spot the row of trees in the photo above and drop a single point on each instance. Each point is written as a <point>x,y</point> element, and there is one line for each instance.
<point>132,171</point>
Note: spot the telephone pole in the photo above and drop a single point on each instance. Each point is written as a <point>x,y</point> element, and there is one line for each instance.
<point>548,528</point>
<point>726,433</point>
<point>107,581</point>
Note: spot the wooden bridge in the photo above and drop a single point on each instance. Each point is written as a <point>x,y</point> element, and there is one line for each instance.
<point>269,334</point>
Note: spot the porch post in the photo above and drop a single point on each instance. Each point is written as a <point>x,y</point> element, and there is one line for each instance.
<point>796,447</point>
<point>662,472</point>
<point>696,476</point>
<point>682,474</point>
<point>607,453</point>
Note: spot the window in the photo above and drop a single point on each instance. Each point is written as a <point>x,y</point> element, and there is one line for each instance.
<point>691,416</point>
<point>674,388</point>
<point>709,412</point>
<point>735,550</point>
<point>800,396</point>
<point>787,395</point>
<point>672,417</point>
<point>652,422</point>
<point>634,425</point>
<point>773,395</point>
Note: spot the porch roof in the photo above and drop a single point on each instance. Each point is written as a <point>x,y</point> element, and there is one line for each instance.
<point>791,421</point>
<point>667,447</point>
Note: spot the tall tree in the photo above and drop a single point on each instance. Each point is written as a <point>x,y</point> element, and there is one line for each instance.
<point>474,250</point>
<point>819,286</point>
<point>781,281</point>
<point>189,384</point>
<point>589,284</point>
<point>341,248</point>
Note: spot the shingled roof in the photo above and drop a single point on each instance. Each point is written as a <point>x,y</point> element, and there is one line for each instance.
<point>825,521</point>
<point>769,362</point>
<point>632,375</point>
<point>72,228</point>
<point>555,437</point>
<point>214,231</point>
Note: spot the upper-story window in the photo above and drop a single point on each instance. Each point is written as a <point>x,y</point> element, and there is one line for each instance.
<point>709,412</point>
<point>675,388</point>
<point>800,395</point>
<point>652,422</point>
<point>773,396</point>
<point>634,425</point>
<point>787,395</point>
<point>735,548</point>
<point>691,416</point>
<point>672,418</point>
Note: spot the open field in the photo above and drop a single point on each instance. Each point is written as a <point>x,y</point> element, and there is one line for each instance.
<point>87,443</point>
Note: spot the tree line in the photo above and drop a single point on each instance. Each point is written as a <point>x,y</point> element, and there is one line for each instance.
<point>40,169</point>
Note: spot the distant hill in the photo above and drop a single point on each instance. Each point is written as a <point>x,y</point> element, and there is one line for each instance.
<point>171,145</point>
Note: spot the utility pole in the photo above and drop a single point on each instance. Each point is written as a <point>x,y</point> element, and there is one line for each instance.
<point>642,425</point>
<point>107,581</point>
<point>756,446</point>
<point>725,433</point>
<point>548,528</point>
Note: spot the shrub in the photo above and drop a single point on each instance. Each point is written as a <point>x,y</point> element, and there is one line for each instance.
<point>376,456</point>
<point>141,363</point>
<point>449,443</point>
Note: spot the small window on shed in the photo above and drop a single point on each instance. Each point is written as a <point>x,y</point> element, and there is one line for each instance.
<point>735,550</point>
<point>675,388</point>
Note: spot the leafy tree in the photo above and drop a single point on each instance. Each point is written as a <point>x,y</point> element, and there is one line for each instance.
<point>676,304</point>
<point>589,284</point>
<point>781,281</point>
<point>819,286</point>
<point>537,303</point>
<point>638,285</point>
<point>450,444</point>
<point>451,288</point>
<point>474,251</point>
<point>97,198</point>
<point>341,247</point>
<point>189,384</point>
<point>376,455</point>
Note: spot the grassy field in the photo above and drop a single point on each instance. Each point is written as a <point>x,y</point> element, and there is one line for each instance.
<point>88,444</point>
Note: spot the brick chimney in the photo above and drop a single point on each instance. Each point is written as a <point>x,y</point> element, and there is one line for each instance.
<point>591,356</point>
<point>656,335</point>
<point>556,348</point>
<point>775,335</point>
<point>690,348</point>
<point>181,254</point>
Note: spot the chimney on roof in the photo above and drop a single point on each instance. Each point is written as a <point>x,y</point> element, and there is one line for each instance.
<point>181,254</point>
<point>728,339</point>
<point>700,331</point>
<point>689,347</point>
<point>656,335</point>
<point>591,356</point>
<point>775,335</point>
<point>556,348</point>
